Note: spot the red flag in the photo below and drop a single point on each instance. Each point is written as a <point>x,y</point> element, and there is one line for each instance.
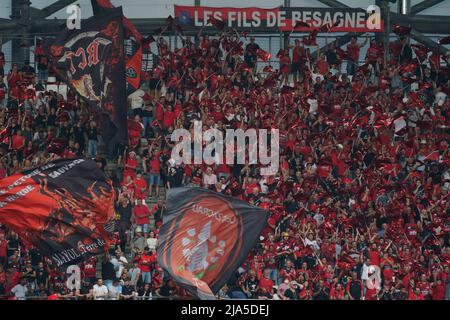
<point>133,69</point>
<point>218,24</point>
<point>328,27</point>
<point>324,171</point>
<point>65,208</point>
<point>415,100</point>
<point>434,156</point>
<point>263,55</point>
<point>268,69</point>
<point>174,82</point>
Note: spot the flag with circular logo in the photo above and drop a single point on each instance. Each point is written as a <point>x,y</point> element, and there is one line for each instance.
<point>205,237</point>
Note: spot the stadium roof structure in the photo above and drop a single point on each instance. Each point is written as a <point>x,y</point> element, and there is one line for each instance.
<point>27,20</point>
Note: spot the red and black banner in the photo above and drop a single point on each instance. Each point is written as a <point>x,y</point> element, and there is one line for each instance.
<point>205,237</point>
<point>65,208</point>
<point>133,64</point>
<point>91,61</point>
<point>281,18</point>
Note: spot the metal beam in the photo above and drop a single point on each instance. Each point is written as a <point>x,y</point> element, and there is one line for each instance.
<point>424,5</point>
<point>427,41</point>
<point>51,9</point>
<point>9,25</point>
<point>334,4</point>
<point>422,20</point>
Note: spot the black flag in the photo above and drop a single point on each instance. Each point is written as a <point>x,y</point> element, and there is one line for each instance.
<point>205,237</point>
<point>91,61</point>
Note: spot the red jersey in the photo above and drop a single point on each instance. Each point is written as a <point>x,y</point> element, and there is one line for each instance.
<point>89,268</point>
<point>168,119</point>
<point>298,54</point>
<point>145,263</point>
<point>266,284</point>
<point>353,51</point>
<point>142,214</point>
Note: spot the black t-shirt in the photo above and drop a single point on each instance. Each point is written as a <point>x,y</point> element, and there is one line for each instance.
<point>127,290</point>
<point>158,214</point>
<point>355,289</point>
<point>92,134</point>
<point>41,276</point>
<point>252,285</point>
<point>78,134</point>
<point>51,120</point>
<point>40,120</point>
<point>323,294</point>
<point>125,213</point>
<point>291,294</point>
<point>28,69</point>
<point>108,272</point>
<point>331,57</point>
<point>84,289</point>
<point>35,256</point>
<point>165,290</point>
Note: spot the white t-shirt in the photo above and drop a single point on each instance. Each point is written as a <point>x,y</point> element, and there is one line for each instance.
<point>440,98</point>
<point>209,179</point>
<point>137,100</point>
<point>19,291</point>
<point>119,265</point>
<point>151,243</point>
<point>100,292</point>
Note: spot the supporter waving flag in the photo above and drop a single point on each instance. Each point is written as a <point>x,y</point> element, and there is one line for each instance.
<point>65,208</point>
<point>134,57</point>
<point>91,61</point>
<point>205,237</point>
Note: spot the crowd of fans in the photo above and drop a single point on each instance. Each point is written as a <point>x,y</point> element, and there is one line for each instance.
<point>359,208</point>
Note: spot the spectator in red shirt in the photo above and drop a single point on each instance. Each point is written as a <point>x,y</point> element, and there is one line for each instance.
<point>151,164</point>
<point>141,216</point>
<point>353,54</point>
<point>140,186</point>
<point>145,265</point>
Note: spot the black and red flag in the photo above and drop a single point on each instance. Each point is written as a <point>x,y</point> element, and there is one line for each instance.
<point>205,237</point>
<point>91,62</point>
<point>65,208</point>
<point>133,64</point>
